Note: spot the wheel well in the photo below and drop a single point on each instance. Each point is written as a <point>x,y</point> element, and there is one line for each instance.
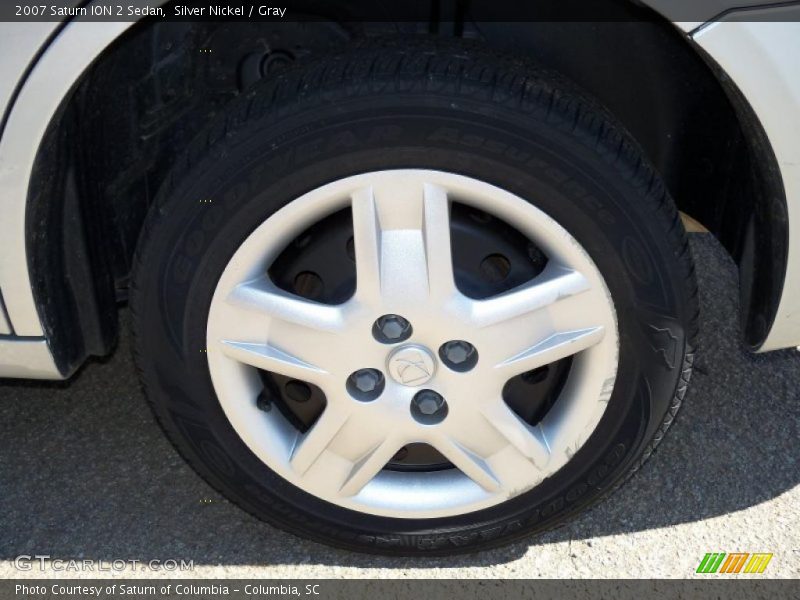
<point>112,143</point>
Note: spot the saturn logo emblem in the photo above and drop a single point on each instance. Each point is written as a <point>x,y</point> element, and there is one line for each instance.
<point>411,365</point>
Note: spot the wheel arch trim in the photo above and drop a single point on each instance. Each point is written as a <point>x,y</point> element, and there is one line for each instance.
<point>30,111</point>
<point>48,84</point>
<point>758,59</point>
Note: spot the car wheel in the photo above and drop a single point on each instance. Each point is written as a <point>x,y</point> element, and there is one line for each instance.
<point>414,298</point>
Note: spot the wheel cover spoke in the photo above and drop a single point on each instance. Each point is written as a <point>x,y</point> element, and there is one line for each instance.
<point>468,462</point>
<point>528,441</point>
<point>269,329</point>
<point>310,447</point>
<point>262,301</point>
<point>402,242</point>
<point>269,358</point>
<point>552,349</point>
<point>546,292</point>
<point>368,466</point>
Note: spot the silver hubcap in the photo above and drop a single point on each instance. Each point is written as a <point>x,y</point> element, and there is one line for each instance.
<point>404,267</point>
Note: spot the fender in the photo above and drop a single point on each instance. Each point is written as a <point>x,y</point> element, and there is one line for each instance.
<point>763,59</point>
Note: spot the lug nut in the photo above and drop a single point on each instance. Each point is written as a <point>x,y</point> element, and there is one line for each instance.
<point>458,355</point>
<point>365,384</point>
<point>366,380</point>
<point>391,329</point>
<point>429,404</point>
<point>428,407</point>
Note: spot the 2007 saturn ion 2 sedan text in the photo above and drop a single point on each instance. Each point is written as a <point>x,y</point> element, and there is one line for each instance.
<point>412,287</point>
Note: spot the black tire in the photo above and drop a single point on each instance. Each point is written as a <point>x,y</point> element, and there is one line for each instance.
<point>419,104</point>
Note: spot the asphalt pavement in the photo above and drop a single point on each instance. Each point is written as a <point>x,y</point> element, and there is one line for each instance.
<point>85,473</point>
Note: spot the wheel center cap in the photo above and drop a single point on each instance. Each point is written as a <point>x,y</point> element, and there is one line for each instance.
<point>411,365</point>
